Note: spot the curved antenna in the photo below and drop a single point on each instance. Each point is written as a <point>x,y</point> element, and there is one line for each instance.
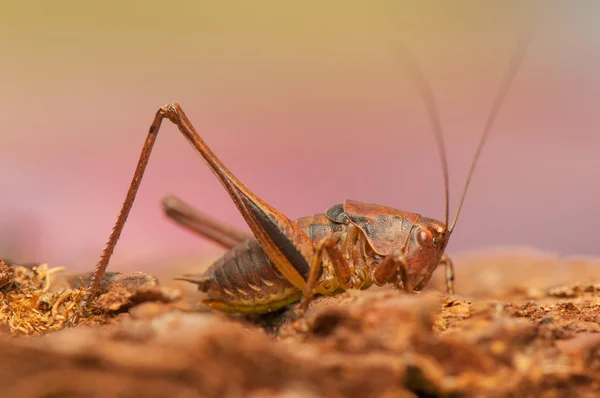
<point>505,85</point>
<point>431,107</point>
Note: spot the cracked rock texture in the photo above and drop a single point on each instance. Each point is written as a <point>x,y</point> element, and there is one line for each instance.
<point>523,324</point>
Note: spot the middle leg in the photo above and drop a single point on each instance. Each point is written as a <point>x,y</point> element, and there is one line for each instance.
<point>342,270</point>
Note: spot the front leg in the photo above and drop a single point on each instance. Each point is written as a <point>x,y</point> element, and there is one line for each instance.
<point>449,268</point>
<point>393,268</point>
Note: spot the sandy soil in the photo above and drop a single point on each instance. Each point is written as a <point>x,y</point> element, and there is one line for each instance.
<point>523,324</point>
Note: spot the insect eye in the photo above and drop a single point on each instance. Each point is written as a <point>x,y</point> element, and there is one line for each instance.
<point>424,237</point>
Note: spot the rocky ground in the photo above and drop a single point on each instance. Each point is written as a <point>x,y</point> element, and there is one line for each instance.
<point>524,324</point>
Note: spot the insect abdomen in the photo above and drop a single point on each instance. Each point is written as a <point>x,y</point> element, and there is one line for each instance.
<point>244,280</point>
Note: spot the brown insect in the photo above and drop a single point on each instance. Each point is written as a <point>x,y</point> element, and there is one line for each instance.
<point>351,246</point>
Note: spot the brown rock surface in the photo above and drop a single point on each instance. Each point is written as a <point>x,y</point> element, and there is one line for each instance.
<point>525,324</point>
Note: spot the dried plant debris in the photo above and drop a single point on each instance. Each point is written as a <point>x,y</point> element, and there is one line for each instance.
<point>374,343</point>
<point>37,299</point>
<point>27,306</point>
<point>7,274</point>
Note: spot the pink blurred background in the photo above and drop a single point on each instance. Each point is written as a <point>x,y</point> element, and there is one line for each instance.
<point>307,103</point>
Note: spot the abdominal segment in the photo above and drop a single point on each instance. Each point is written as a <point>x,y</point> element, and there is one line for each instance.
<point>244,280</point>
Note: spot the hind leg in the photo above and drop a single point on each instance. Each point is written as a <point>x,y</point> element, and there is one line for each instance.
<point>223,234</point>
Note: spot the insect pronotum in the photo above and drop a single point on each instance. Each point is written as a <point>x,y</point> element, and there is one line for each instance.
<point>351,246</point>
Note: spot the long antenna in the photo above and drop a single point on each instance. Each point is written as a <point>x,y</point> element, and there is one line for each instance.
<point>500,96</point>
<point>431,107</point>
